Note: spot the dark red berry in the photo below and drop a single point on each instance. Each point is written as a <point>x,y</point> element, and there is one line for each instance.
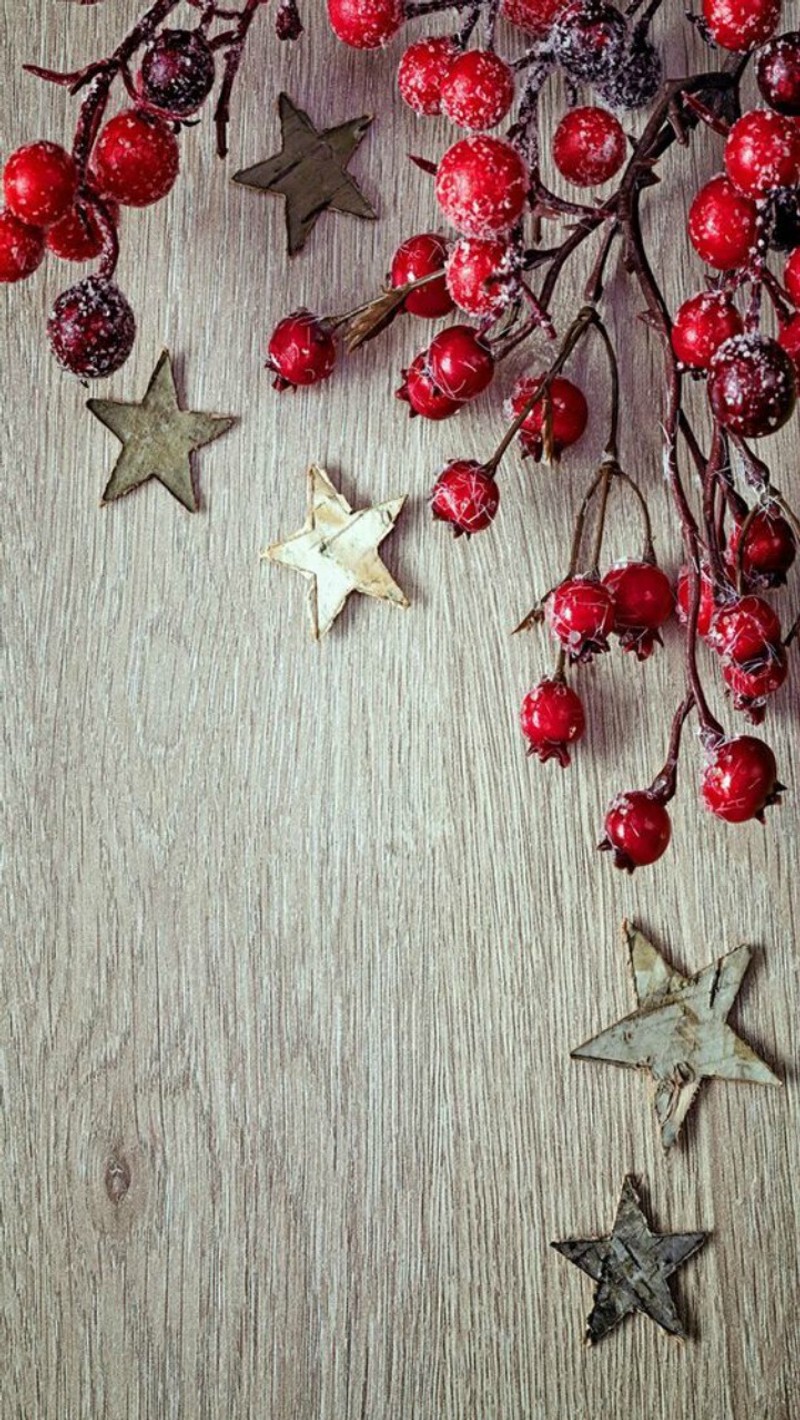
<point>21,248</point>
<point>552,719</point>
<point>466,496</point>
<point>643,602</point>
<point>301,351</point>
<point>419,391</point>
<point>589,146</point>
<point>740,780</point>
<point>92,328</point>
<point>478,275</point>
<point>791,276</point>
<point>580,614</point>
<point>707,604</point>
<point>745,630</point>
<point>482,186</point>
<point>741,24</point>
<point>701,325</point>
<point>565,407</point>
<point>751,385</point>
<point>789,340</point>
<point>136,159</point>
<point>722,224</point>
<point>778,73</point>
<point>478,89</point>
<point>461,365</point>
<point>177,72</point>
<point>80,235</point>
<point>762,152</point>
<point>40,182</point>
<point>635,81</point>
<point>751,687</point>
<point>422,71</point>
<point>637,829</point>
<point>417,257</point>
<point>365,24</point>
<point>768,550</point>
<point>534,16</point>
<point>589,39</point>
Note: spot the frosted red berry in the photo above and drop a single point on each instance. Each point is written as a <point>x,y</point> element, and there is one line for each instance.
<point>419,256</point>
<point>482,186</point>
<point>461,365</point>
<point>751,687</point>
<point>683,600</point>
<point>768,548</point>
<point>778,73</point>
<point>740,780</point>
<point>791,276</point>
<point>740,25</point>
<point>177,72</point>
<point>589,146</point>
<point>21,248</point>
<point>136,159</point>
<point>534,16</point>
<point>466,496</point>
<point>419,391</point>
<point>568,415</point>
<point>701,325</point>
<point>301,351</point>
<point>422,71</point>
<point>722,224</point>
<point>478,89</point>
<point>789,340</point>
<point>580,614</point>
<point>589,38</point>
<point>40,182</point>
<point>745,630</point>
<point>751,385</point>
<point>365,24</point>
<point>552,719</point>
<point>477,275</point>
<point>79,235</point>
<point>643,603</point>
<point>762,152</point>
<point>92,328</point>
<point>637,829</point>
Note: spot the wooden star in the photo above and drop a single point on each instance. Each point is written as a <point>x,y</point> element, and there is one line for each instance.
<point>337,550</point>
<point>310,171</point>
<point>631,1267</point>
<point>158,438</point>
<point>679,1033</point>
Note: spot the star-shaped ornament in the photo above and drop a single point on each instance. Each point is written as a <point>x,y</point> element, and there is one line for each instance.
<point>158,438</point>
<point>310,171</point>
<point>679,1033</point>
<point>337,550</point>
<point>632,1268</point>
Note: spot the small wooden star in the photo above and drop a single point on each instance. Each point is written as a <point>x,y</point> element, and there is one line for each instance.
<point>631,1267</point>
<point>310,171</point>
<point>336,549</point>
<point>679,1033</point>
<point>158,438</point>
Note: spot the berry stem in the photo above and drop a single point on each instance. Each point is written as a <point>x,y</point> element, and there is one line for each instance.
<point>666,781</point>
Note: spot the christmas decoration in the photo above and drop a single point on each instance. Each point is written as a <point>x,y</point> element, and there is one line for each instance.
<point>158,438</point>
<point>310,172</point>
<point>679,1034</point>
<point>632,1267</point>
<point>337,550</point>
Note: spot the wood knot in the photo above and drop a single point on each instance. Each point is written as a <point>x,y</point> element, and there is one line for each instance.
<point>117,1177</point>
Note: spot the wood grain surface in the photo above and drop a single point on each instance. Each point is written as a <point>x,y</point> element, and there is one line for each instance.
<point>296,941</point>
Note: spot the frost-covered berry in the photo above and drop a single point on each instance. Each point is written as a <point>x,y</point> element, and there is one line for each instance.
<point>177,72</point>
<point>482,186</point>
<point>40,182</point>
<point>741,24</point>
<point>740,780</point>
<point>423,69</point>
<point>778,73</point>
<point>564,409</point>
<point>478,89</point>
<point>136,159</point>
<point>92,328</point>
<point>466,496</point>
<point>762,152</point>
<point>722,224</point>
<point>477,275</point>
<point>534,16</point>
<point>701,325</point>
<point>588,146</point>
<point>751,385</point>
<point>21,248</point>
<point>580,614</point>
<point>365,24</point>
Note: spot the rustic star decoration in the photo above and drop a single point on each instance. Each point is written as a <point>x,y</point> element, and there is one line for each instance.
<point>679,1033</point>
<point>632,1268</point>
<point>310,171</point>
<point>158,438</point>
<point>336,549</point>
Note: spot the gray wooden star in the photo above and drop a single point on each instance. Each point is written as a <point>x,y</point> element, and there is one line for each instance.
<point>310,171</point>
<point>631,1267</point>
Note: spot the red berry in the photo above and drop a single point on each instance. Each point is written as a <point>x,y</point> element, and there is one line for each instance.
<point>136,159</point>
<point>762,152</point>
<point>707,604</point>
<point>460,364</point>
<point>751,386</point>
<point>643,602</point>
<point>580,614</point>
<point>589,146</point>
<point>92,328</point>
<point>637,829</point>
<point>301,351</point>
<point>422,71</point>
<point>40,182</point>
<point>466,496</point>
<point>769,549</point>
<point>534,16</point>
<point>552,718</point>
<point>21,248</point>
<point>791,276</point>
<point>778,73</point>
<point>751,687</point>
<point>79,235</point>
<point>722,224</point>
<point>568,415</point>
<point>419,391</point>
<point>477,275</point>
<point>365,24</point>
<point>177,71</point>
<point>482,185</point>
<point>478,89</point>
<point>740,780</point>
<point>701,325</point>
<point>421,256</point>
<point>745,630</point>
<point>741,24</point>
<point>789,340</point>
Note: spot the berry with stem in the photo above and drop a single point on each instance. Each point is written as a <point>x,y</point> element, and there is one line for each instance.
<point>301,351</point>
<point>418,257</point>
<point>552,720</point>
<point>740,780</point>
<point>466,496</point>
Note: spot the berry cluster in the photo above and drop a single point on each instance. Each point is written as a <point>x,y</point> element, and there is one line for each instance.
<point>68,203</point>
<point>498,275</point>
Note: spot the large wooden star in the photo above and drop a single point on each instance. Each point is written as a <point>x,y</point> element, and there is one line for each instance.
<point>158,438</point>
<point>336,549</point>
<point>631,1267</point>
<point>310,171</point>
<point>679,1033</point>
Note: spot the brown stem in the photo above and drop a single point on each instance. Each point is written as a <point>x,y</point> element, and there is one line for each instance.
<point>665,783</point>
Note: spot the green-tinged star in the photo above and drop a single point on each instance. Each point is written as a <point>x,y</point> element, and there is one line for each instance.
<point>679,1034</point>
<point>337,550</point>
<point>310,171</point>
<point>631,1267</point>
<point>158,438</point>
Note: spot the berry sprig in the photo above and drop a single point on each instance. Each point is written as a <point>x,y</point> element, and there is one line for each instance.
<point>68,203</point>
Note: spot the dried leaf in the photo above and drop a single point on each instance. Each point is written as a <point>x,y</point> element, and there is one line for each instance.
<point>375,318</point>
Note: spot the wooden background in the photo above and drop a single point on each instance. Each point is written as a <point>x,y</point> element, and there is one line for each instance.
<point>297,939</point>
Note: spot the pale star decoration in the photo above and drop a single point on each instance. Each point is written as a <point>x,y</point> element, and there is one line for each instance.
<point>679,1033</point>
<point>336,549</point>
<point>631,1267</point>
<point>158,438</point>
